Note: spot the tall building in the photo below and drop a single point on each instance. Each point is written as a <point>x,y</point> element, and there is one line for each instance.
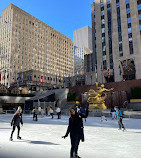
<point>79,59</point>
<point>83,37</point>
<point>82,46</point>
<point>32,51</point>
<point>116,27</point>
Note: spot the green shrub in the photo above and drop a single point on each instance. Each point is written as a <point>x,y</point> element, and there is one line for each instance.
<point>72,96</point>
<point>135,93</point>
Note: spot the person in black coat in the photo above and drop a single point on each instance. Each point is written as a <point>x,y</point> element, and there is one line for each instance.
<point>35,114</point>
<point>16,120</point>
<point>75,128</point>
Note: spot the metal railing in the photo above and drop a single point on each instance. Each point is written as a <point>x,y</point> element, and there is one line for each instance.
<point>12,112</point>
<point>126,114</point>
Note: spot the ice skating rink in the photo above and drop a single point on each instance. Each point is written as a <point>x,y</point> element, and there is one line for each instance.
<point>42,139</point>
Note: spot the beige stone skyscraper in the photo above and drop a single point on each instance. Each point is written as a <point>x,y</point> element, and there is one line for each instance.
<point>32,51</point>
<point>116,27</point>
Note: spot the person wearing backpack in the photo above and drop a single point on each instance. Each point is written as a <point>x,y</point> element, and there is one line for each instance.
<point>119,117</point>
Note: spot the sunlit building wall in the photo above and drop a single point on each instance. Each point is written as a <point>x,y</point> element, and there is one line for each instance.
<point>116,27</point>
<point>29,45</point>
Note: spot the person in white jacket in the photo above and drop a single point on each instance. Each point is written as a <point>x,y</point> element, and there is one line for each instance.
<point>58,111</point>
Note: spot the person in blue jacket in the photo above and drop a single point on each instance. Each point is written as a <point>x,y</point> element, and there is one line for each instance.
<point>119,117</point>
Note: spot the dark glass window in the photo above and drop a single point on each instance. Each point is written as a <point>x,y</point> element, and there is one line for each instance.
<point>139,7</point>
<point>102,4</point>
<point>108,1</point>
<point>130,35</point>
<point>138,2</point>
<point>103,34</point>
<point>127,1</point>
<point>117,4</point>
<point>127,5</point>
<point>128,15</point>
<point>102,8</point>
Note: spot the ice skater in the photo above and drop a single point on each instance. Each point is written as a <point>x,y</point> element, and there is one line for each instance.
<point>119,117</point>
<point>35,114</point>
<point>75,128</point>
<point>51,112</point>
<point>103,118</point>
<point>16,120</point>
<point>58,111</point>
<point>113,112</point>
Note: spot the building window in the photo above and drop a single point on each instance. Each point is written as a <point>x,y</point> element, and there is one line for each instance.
<point>129,27</point>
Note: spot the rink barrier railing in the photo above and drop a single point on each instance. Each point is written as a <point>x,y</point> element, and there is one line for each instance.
<point>96,113</point>
<point>107,113</point>
<point>12,112</point>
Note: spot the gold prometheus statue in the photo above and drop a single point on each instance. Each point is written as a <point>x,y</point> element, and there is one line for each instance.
<point>96,98</point>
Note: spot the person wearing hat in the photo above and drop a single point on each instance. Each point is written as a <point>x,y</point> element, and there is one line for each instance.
<point>16,120</point>
<point>35,114</point>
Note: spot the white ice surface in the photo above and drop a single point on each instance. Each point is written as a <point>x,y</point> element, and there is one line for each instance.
<point>42,139</point>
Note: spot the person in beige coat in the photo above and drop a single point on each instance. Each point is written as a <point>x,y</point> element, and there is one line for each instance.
<point>51,112</point>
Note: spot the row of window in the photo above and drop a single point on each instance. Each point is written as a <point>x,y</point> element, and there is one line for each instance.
<point>103,37</point>
<point>129,27</point>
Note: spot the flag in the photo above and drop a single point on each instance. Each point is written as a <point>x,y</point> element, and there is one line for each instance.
<point>42,79</point>
<point>95,72</point>
<point>27,78</point>
<point>119,70</point>
<point>12,76</point>
<point>22,77</point>
<point>56,78</point>
<point>127,67</point>
<point>63,78</point>
<point>86,77</point>
<point>30,77</point>
<point>77,76</point>
<point>91,74</point>
<point>39,78</point>
<point>113,72</point>
<point>134,68</point>
<point>45,78</point>
<point>18,78</point>
<point>101,70</point>
<point>69,79</point>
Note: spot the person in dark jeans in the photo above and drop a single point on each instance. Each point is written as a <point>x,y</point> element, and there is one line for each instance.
<point>75,128</point>
<point>119,117</point>
<point>58,111</point>
<point>35,114</point>
<point>16,120</point>
<point>51,112</point>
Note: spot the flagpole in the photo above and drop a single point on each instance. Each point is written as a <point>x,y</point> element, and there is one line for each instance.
<point>134,67</point>
<point>127,68</point>
<point>95,73</point>
<point>102,72</point>
<point>91,75</point>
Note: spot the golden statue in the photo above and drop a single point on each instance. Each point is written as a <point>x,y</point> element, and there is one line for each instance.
<point>96,99</point>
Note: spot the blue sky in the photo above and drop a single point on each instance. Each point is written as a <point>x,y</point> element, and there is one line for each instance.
<point>65,16</point>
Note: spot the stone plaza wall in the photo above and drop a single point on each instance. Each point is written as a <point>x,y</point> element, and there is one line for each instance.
<point>120,93</point>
